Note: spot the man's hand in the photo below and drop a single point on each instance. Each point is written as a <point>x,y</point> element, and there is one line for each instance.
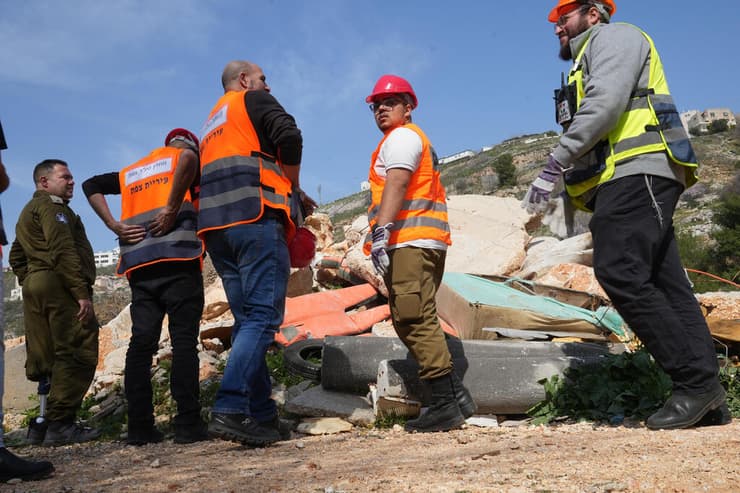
<point>86,310</point>
<point>540,191</point>
<point>163,222</point>
<point>128,233</point>
<point>378,251</point>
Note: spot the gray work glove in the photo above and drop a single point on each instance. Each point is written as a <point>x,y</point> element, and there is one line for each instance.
<point>378,251</point>
<point>541,190</point>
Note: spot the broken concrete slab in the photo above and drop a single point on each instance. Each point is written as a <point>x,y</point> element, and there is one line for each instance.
<point>488,234</point>
<point>320,402</point>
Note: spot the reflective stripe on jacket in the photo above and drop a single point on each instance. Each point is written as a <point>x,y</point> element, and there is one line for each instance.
<point>238,180</point>
<point>145,189</point>
<point>423,214</point>
<point>650,123</point>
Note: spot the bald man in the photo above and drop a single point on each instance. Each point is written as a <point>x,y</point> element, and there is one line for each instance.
<point>250,160</point>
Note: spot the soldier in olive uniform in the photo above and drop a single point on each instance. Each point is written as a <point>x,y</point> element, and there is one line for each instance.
<point>54,262</point>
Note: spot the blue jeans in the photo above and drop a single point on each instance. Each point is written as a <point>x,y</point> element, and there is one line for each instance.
<point>254,265</point>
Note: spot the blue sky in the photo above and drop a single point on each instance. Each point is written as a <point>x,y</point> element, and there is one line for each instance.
<point>100,83</point>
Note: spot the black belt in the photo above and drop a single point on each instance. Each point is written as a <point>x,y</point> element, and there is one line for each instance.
<point>270,213</point>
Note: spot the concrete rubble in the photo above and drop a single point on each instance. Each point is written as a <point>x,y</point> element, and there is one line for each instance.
<point>491,237</point>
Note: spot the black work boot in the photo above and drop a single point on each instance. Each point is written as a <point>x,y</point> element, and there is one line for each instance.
<point>242,429</point>
<point>142,436</point>
<point>14,467</point>
<point>443,413</point>
<point>36,431</point>
<point>464,399</point>
<point>66,432</point>
<point>683,410</point>
<point>716,417</point>
<point>191,433</point>
<point>283,427</point>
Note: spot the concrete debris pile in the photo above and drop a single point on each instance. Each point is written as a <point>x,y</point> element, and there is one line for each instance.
<point>363,376</point>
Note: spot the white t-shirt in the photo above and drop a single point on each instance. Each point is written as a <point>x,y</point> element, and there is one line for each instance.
<point>402,150</point>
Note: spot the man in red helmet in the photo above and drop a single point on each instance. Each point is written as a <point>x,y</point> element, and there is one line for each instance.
<point>408,244</point>
<point>625,156</point>
<point>161,257</point>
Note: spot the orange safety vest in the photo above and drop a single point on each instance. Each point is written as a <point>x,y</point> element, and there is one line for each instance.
<point>238,180</point>
<point>423,214</point>
<point>145,188</point>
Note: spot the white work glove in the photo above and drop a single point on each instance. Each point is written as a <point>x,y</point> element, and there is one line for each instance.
<point>378,251</point>
<point>541,190</point>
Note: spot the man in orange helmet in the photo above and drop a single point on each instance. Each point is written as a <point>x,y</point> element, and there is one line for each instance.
<point>408,245</point>
<point>161,257</point>
<point>625,156</point>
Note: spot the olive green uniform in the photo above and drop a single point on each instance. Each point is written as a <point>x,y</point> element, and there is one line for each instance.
<point>54,262</point>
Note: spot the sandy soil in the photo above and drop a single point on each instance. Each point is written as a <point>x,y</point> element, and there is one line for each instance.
<point>563,458</point>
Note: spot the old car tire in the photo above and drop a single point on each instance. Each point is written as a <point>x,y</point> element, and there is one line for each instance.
<point>296,358</point>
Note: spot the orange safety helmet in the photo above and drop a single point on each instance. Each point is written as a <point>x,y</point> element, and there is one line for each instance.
<point>182,135</point>
<point>303,248</point>
<point>392,84</point>
<point>564,6</point>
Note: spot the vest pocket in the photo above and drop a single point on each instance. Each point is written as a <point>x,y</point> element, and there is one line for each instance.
<point>598,157</point>
<point>671,129</point>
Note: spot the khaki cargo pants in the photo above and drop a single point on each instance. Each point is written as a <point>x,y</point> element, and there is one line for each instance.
<point>57,344</point>
<point>413,280</point>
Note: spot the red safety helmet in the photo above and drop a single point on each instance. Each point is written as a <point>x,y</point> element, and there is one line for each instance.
<point>183,135</point>
<point>303,248</point>
<point>565,6</point>
<point>392,84</point>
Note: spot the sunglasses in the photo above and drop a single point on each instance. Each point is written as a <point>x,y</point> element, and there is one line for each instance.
<point>387,102</point>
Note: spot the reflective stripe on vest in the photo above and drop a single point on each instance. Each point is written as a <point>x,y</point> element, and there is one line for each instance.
<point>650,123</point>
<point>423,214</point>
<point>145,189</point>
<point>237,180</point>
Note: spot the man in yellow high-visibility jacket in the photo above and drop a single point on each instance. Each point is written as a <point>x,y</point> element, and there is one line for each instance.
<point>625,156</point>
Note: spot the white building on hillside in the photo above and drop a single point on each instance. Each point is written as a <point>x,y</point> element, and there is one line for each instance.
<point>698,121</point>
<point>110,257</point>
<point>455,157</point>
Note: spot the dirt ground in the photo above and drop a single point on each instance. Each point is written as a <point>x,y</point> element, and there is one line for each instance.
<point>561,458</point>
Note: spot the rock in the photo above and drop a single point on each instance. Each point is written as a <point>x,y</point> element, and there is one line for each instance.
<point>546,252</point>
<point>321,226</point>
<point>300,282</point>
<point>361,265</point>
<point>488,235</point>
<point>722,313</point>
<point>323,426</point>
<point>572,276</point>
<point>213,345</point>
